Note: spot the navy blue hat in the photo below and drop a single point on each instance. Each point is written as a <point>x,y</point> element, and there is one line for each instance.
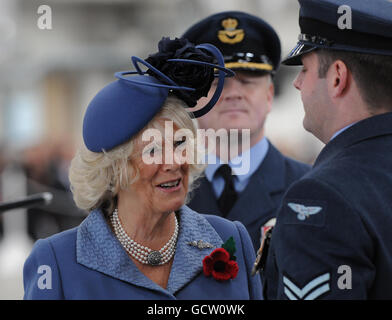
<point>247,42</point>
<point>124,107</point>
<point>325,24</point>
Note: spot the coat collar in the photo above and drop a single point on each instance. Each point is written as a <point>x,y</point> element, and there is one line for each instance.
<point>368,128</point>
<point>98,249</point>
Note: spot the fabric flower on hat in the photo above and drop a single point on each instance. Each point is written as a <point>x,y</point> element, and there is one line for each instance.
<point>185,74</point>
<point>221,262</point>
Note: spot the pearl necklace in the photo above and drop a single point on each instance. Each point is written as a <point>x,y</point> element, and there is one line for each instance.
<point>143,254</point>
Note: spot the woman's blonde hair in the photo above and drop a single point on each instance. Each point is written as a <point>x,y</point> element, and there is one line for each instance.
<point>96,178</point>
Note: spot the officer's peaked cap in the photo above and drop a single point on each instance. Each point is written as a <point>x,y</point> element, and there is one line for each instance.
<point>361,26</point>
<point>246,41</point>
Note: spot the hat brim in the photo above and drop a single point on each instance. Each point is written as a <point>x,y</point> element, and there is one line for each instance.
<point>294,57</point>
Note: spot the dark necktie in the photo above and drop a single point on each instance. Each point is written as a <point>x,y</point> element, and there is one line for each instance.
<point>229,196</point>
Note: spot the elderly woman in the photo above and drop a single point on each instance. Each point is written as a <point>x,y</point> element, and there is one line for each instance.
<point>139,240</point>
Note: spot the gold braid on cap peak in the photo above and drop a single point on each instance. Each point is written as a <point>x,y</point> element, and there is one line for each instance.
<point>254,65</point>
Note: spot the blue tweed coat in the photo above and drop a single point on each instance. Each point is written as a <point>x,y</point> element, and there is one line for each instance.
<point>88,262</point>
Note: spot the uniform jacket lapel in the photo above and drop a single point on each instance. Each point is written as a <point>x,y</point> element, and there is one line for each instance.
<point>99,249</point>
<point>203,198</point>
<point>256,201</point>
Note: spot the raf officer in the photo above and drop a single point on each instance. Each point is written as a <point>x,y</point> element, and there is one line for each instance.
<point>332,238</point>
<point>252,49</point>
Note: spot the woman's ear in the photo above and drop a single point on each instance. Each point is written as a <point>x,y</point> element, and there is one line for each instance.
<point>338,78</point>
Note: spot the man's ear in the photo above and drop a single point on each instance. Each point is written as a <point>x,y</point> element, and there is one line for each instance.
<point>338,78</point>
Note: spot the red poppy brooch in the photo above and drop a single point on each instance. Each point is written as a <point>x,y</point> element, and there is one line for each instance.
<point>221,263</point>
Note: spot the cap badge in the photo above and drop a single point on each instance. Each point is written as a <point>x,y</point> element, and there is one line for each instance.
<point>231,35</point>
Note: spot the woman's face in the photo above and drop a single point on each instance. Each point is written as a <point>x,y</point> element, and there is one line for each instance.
<point>162,186</point>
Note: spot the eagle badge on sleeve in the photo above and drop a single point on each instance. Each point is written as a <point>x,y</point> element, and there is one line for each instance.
<point>303,211</point>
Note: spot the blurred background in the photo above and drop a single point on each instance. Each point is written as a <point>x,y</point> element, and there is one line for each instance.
<point>48,77</point>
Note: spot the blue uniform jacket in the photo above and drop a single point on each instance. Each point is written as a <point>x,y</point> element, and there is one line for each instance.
<point>333,236</point>
<point>259,202</point>
<point>88,262</point>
